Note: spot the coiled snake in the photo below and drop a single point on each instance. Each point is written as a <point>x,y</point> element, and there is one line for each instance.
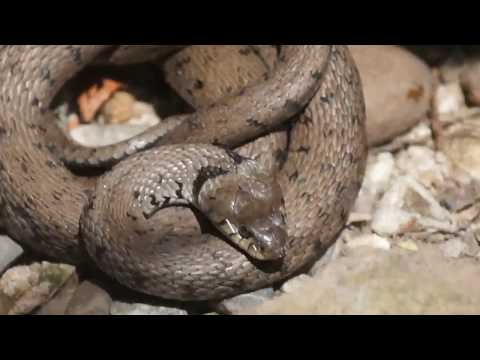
<point>49,208</point>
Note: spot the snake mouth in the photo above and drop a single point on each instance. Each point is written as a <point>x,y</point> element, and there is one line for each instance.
<point>263,241</point>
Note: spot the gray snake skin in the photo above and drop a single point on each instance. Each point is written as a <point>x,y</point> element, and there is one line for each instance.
<point>64,216</point>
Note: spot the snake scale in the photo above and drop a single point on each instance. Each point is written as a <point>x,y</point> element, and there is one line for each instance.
<point>48,207</point>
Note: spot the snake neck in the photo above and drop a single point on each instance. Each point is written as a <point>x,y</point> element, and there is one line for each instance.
<point>179,175</point>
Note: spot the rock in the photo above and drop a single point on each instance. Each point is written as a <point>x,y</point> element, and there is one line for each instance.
<point>410,207</point>
<point>408,245</point>
<point>377,178</point>
<point>370,240</point>
<point>25,288</point>
<point>59,303</point>
<point>9,252</point>
<point>94,135</point>
<point>470,81</point>
<point>374,282</point>
<point>292,285</point>
<point>392,110</point>
<point>426,166</point>
<point>458,198</point>
<point>331,255</point>
<point>89,299</point>
<point>448,99</point>
<point>453,248</point>
<point>119,308</point>
<point>462,148</point>
<point>238,304</point>
<point>119,109</point>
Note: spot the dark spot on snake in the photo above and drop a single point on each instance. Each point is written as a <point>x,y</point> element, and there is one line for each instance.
<point>35,102</point>
<point>322,216</point>
<point>304,149</point>
<point>24,168</point>
<point>328,132</point>
<point>166,201</point>
<point>204,174</point>
<point>100,251</point>
<point>317,75</point>
<point>136,194</point>
<point>153,201</point>
<point>3,132</point>
<point>179,192</point>
<point>325,99</point>
<point>45,73</point>
<point>198,85</point>
<point>293,107</point>
<point>216,142</point>
<point>41,128</point>
<point>133,217</point>
<point>180,63</point>
<point>38,146</point>
<point>281,156</point>
<point>91,196</point>
<point>294,176</point>
<point>245,51</point>
<point>257,124</point>
<point>237,158</point>
<point>57,196</point>
<point>76,55</point>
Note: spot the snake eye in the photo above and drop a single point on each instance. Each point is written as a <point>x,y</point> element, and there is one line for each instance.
<point>244,232</point>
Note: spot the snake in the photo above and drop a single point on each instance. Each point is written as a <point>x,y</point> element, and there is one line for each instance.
<point>270,227</point>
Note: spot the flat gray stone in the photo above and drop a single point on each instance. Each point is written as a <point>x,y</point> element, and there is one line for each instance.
<point>89,299</point>
<point>123,309</point>
<point>373,282</point>
<point>240,303</point>
<point>9,252</point>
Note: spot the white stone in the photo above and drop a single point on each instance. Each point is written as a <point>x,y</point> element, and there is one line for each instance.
<point>121,309</point>
<point>449,99</point>
<point>294,284</point>
<point>370,240</point>
<point>9,252</point>
<point>454,248</point>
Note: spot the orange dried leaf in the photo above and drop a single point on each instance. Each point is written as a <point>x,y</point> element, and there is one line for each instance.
<point>94,98</point>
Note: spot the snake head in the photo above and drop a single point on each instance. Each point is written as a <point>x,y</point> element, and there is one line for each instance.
<point>249,211</point>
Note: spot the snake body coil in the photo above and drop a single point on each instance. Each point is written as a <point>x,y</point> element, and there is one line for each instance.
<point>47,207</point>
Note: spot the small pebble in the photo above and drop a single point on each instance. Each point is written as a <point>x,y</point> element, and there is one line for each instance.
<point>408,245</point>
<point>237,304</point>
<point>25,288</point>
<point>449,99</point>
<point>453,248</point>
<point>9,252</point>
<point>294,284</point>
<point>370,240</point>
<point>123,309</point>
